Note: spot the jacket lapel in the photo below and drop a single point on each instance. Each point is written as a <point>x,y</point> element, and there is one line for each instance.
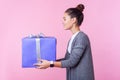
<point>74,40</point>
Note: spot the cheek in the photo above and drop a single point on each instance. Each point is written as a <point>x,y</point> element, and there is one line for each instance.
<point>67,25</point>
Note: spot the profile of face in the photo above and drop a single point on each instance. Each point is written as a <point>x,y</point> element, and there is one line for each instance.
<point>67,21</point>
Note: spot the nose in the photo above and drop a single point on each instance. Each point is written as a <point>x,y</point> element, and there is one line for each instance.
<point>63,22</point>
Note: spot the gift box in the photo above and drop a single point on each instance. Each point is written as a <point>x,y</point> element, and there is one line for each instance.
<point>37,48</point>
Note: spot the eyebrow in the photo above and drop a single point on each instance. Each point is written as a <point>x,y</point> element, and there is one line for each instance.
<point>63,17</point>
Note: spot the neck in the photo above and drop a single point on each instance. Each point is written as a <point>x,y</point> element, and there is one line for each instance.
<point>75,29</point>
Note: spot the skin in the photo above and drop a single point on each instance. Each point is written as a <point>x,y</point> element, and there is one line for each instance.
<point>69,24</point>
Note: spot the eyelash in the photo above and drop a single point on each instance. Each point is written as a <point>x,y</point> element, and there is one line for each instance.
<point>64,19</point>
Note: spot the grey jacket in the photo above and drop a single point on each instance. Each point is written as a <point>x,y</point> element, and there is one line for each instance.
<point>79,63</point>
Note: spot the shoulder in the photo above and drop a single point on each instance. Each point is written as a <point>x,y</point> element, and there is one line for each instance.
<point>82,38</point>
<point>82,35</point>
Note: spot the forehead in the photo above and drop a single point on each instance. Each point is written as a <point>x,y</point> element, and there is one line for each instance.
<point>66,15</point>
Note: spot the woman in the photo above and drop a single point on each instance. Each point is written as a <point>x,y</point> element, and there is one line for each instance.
<point>78,58</point>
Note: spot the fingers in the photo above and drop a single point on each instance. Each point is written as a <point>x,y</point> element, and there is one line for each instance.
<point>43,60</point>
<point>41,67</point>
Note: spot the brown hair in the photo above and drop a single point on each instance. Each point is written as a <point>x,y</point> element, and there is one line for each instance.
<point>76,13</point>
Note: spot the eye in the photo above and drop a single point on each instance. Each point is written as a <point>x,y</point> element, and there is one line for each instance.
<point>64,18</point>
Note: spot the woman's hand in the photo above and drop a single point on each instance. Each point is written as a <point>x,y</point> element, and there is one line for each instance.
<point>43,65</point>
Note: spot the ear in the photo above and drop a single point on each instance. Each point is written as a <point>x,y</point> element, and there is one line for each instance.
<point>74,20</point>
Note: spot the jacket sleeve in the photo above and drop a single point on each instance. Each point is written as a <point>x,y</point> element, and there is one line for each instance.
<point>76,53</point>
<point>60,59</point>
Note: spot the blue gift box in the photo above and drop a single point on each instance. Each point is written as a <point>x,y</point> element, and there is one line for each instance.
<point>37,48</point>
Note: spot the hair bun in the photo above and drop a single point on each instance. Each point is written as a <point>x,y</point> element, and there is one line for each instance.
<point>80,7</point>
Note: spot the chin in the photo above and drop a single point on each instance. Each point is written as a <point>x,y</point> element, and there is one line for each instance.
<point>66,29</point>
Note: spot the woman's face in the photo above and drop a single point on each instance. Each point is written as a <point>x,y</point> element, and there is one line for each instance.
<point>67,21</point>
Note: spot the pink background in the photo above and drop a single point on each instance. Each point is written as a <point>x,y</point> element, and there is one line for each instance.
<point>19,18</point>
